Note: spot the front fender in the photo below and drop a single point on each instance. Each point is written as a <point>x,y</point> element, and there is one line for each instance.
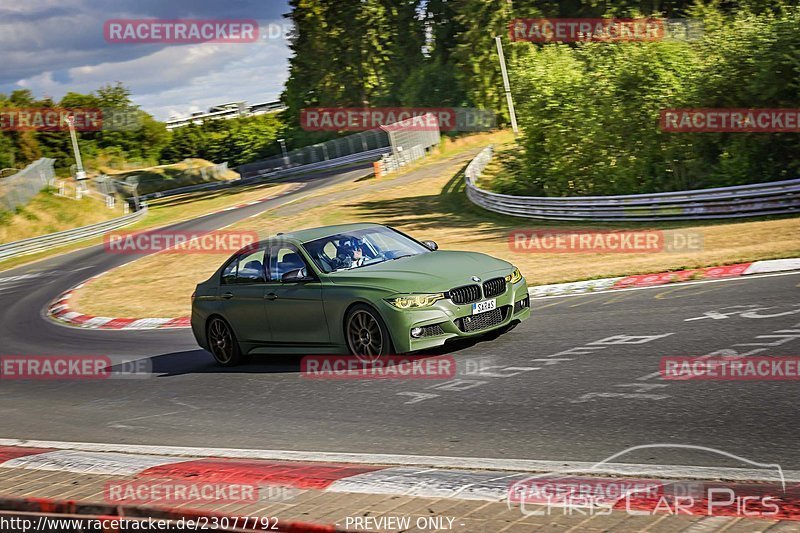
<point>338,300</point>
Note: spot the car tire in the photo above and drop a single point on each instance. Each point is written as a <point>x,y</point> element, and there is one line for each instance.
<point>222,343</point>
<point>363,326</point>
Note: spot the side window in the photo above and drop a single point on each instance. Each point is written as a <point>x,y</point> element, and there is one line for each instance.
<point>284,258</point>
<point>330,250</point>
<point>229,274</point>
<point>251,268</point>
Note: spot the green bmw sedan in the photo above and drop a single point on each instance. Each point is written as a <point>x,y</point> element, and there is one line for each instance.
<point>361,289</point>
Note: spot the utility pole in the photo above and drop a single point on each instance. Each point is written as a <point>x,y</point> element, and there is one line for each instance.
<point>506,85</point>
<point>80,174</point>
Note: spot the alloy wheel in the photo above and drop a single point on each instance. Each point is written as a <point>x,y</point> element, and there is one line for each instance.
<point>364,334</point>
<point>220,340</point>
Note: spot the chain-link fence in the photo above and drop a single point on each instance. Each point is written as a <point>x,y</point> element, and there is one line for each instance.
<point>19,188</point>
<point>411,139</point>
<point>363,141</point>
<point>420,131</point>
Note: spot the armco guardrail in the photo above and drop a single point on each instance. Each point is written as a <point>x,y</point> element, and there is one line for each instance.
<point>773,198</point>
<point>351,145</point>
<point>369,155</point>
<point>38,244</point>
<point>271,174</point>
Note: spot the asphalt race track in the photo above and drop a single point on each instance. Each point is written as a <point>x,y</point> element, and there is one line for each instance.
<point>576,382</point>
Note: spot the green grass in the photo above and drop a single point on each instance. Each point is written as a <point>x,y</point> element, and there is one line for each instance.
<point>49,213</point>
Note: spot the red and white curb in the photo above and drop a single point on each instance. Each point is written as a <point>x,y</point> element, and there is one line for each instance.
<point>60,309</point>
<point>663,278</point>
<point>359,477</point>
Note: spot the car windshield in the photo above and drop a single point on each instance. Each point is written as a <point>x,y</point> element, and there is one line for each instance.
<point>361,248</point>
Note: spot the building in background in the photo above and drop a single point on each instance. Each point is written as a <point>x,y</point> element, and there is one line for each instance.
<point>226,111</point>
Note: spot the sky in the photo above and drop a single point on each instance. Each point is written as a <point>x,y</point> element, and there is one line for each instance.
<point>55,46</point>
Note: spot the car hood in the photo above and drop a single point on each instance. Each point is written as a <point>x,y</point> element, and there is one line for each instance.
<point>428,272</point>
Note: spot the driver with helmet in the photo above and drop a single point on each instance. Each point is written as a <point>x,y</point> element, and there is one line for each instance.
<point>350,253</point>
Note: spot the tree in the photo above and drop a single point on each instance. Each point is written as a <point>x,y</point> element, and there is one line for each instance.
<point>28,147</point>
<point>404,45</point>
<point>349,53</point>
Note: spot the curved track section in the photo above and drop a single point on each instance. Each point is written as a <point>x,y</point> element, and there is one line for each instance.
<point>26,292</point>
<point>578,382</point>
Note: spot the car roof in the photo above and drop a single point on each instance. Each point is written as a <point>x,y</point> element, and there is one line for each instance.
<point>311,234</point>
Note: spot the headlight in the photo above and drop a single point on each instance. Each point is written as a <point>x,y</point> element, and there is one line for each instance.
<point>411,301</point>
<point>514,277</point>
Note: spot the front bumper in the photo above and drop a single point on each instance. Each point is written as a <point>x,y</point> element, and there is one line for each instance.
<point>445,320</point>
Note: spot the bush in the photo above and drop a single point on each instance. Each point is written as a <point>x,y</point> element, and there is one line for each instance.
<point>590,112</point>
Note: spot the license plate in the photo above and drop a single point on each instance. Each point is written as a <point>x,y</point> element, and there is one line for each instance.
<point>482,307</point>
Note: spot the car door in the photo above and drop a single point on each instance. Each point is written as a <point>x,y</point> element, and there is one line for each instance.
<point>294,309</point>
<point>242,290</point>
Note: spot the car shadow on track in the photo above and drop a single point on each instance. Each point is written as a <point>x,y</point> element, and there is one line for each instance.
<point>200,362</point>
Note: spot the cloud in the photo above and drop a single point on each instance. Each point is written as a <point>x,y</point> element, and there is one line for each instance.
<point>52,48</point>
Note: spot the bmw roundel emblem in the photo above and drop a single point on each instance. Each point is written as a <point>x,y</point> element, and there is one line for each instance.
<point>476,279</point>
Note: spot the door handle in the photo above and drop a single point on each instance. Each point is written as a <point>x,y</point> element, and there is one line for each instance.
<point>271,296</point>
<point>227,295</point>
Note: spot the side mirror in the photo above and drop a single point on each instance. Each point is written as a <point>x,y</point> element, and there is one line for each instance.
<point>430,245</point>
<point>299,274</point>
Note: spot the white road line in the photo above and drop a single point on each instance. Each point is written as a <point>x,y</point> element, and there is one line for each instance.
<point>468,463</point>
<point>89,463</point>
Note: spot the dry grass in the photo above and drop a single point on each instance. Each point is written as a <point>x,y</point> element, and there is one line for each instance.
<point>49,213</point>
<point>428,202</point>
<point>163,212</point>
<point>165,170</point>
<point>191,205</point>
<point>172,176</point>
